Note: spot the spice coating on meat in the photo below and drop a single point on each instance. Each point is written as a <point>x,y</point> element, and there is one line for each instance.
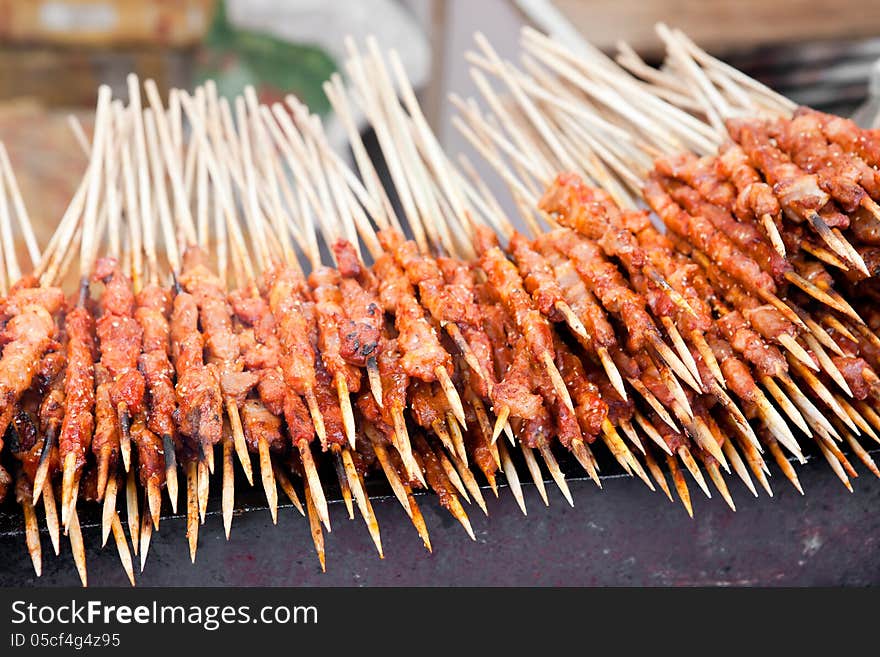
<point>590,409</point>
<point>215,318</point>
<point>503,277</point>
<point>332,323</point>
<point>767,359</point>
<point>105,440</point>
<point>538,277</point>
<point>27,336</point>
<point>286,291</point>
<point>119,336</point>
<point>420,347</point>
<point>607,283</point>
<point>79,385</point>
<point>199,400</point>
<point>704,236</point>
<point>260,424</point>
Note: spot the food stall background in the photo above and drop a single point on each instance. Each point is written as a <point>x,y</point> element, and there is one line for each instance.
<point>55,53</point>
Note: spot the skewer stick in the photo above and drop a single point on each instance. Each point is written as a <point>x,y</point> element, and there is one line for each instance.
<point>585,458</point>
<point>681,348</point>
<point>418,519</point>
<point>124,420</point>
<point>813,416</point>
<point>772,231</point>
<point>122,547</point>
<point>440,430</point>
<point>403,446</point>
<point>20,210</point>
<point>653,402</point>
<point>74,533</point>
<point>154,501</point>
<point>501,421</point>
<point>227,501</point>
<point>457,511</point>
<point>171,483</point>
<point>822,336</point>
<point>863,455</point>
<point>345,406</point>
<point>132,512</point>
<point>451,394</point>
<point>239,442</point>
<point>375,380</point>
<point>687,458</point>
<point>784,464</point>
<point>623,454</point>
<point>555,472</point>
<point>822,393</point>
<point>512,480</point>
<point>836,243</point>
<point>829,299</point>
<point>451,474</point>
<point>835,451</point>
<point>756,464</point>
<point>827,365</point>
<point>668,356</point>
<point>109,509</point>
<point>43,465</point>
<point>51,517</point>
<point>612,372</point>
<point>342,478</point>
<point>268,479</point>
<point>287,487</point>
<point>316,492</point>
<point>203,483</point>
<point>792,346</point>
<point>557,380</point>
<point>835,464</point>
<point>397,486</point>
<point>535,472</point>
<point>870,414</point>
<point>680,484</point>
<point>146,537</point>
<point>362,499</point>
<point>657,473</point>
<point>458,440</point>
<point>777,425</point>
<point>315,526</point>
<point>786,404</point>
<point>720,484</point>
<point>192,509</point>
<point>651,432</point>
<point>31,531</point>
<point>68,475</point>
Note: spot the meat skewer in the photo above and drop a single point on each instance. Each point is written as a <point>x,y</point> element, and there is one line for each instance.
<point>30,307</point>
<point>252,427</point>
<point>755,198</point>
<point>343,359</point>
<point>799,193</point>
<point>700,175</point>
<point>505,280</point>
<point>342,362</point>
<point>152,310</point>
<point>850,181</point>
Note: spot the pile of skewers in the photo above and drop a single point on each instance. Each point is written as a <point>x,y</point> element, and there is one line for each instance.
<point>288,317</point>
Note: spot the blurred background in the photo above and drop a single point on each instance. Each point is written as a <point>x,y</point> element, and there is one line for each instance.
<point>54,54</point>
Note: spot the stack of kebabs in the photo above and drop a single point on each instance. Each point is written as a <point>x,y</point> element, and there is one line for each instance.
<point>436,360</point>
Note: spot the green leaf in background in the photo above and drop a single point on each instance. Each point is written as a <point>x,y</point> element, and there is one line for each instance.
<point>235,57</point>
